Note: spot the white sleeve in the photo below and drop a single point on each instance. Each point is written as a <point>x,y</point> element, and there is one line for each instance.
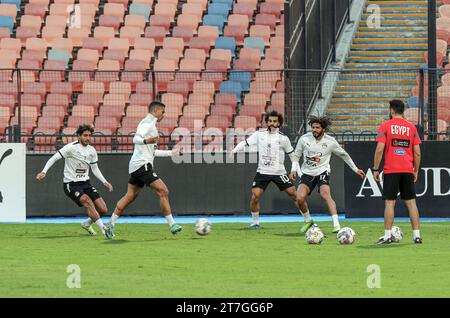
<point>298,152</point>
<point>287,146</point>
<point>163,153</point>
<point>51,161</point>
<point>97,173</point>
<point>250,141</point>
<point>140,134</point>
<point>340,152</point>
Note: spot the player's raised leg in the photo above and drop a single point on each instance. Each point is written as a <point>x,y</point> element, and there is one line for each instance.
<point>163,193</point>
<point>86,201</point>
<point>414,217</point>
<point>325,193</point>
<point>255,207</point>
<point>302,193</point>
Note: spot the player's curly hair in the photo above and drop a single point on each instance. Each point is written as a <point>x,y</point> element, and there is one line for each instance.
<point>323,121</point>
<point>274,113</point>
<point>82,128</point>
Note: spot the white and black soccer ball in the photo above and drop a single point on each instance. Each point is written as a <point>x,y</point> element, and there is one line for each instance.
<point>346,235</point>
<point>314,235</point>
<point>396,234</point>
<point>203,226</point>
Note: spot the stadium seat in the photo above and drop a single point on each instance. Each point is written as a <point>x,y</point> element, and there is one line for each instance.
<point>223,111</point>
<point>200,43</point>
<point>226,99</point>
<point>242,77</point>
<point>219,9</point>
<point>244,9</point>
<point>245,123</point>
<point>156,33</point>
<point>59,55</point>
<point>214,20</point>
<point>140,99</point>
<point>185,33</point>
<point>232,88</point>
<point>141,9</point>
<point>209,32</point>
<point>226,43</point>
<point>7,22</point>
<point>253,42</point>
<point>160,21</point>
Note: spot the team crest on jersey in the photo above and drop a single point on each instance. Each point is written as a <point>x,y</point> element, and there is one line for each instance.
<point>324,146</point>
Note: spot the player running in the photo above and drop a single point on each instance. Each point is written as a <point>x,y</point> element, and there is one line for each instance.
<point>141,167</point>
<point>316,147</point>
<point>399,141</point>
<point>78,157</point>
<point>271,145</point>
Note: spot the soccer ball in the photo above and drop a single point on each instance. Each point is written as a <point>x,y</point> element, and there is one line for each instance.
<point>314,235</point>
<point>346,236</point>
<point>396,234</point>
<point>203,226</point>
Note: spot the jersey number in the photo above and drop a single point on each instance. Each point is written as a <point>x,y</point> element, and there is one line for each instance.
<point>285,178</point>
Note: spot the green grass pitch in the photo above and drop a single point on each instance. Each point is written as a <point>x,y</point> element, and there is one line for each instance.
<point>146,260</point>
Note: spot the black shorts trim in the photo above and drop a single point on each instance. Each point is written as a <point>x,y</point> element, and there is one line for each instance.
<point>395,183</point>
<point>75,190</point>
<point>312,181</point>
<point>144,176</point>
<point>281,181</point>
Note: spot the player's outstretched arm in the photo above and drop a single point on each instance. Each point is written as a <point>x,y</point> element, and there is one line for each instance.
<point>340,152</point>
<point>98,174</point>
<point>48,165</point>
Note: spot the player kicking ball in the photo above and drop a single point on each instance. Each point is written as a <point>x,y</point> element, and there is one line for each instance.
<point>141,167</point>
<point>316,148</point>
<point>78,157</point>
<point>271,146</point>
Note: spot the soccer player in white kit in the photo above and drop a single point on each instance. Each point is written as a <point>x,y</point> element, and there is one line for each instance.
<point>141,167</point>
<point>316,148</point>
<point>271,145</point>
<point>78,157</point>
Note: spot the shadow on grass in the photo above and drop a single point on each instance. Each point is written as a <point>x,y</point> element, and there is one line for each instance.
<point>63,237</point>
<point>116,242</point>
<point>374,245</point>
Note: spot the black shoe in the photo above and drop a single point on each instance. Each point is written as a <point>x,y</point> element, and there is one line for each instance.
<point>381,240</point>
<point>418,240</point>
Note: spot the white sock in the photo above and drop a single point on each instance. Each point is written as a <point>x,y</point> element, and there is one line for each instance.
<point>100,225</point>
<point>335,220</point>
<point>169,219</point>
<point>114,218</point>
<point>416,233</point>
<point>255,217</point>
<point>87,222</point>
<point>307,216</point>
<point>387,234</point>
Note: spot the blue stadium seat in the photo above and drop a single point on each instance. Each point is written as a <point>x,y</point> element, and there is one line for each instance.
<point>214,20</point>
<point>242,77</point>
<point>141,9</point>
<point>219,9</point>
<point>255,42</point>
<point>59,55</point>
<point>7,22</point>
<point>232,87</point>
<point>229,3</point>
<point>413,102</point>
<point>226,43</point>
<point>16,2</point>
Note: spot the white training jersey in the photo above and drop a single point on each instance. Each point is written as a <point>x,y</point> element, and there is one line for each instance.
<point>317,154</point>
<point>271,148</point>
<point>77,161</point>
<point>144,153</point>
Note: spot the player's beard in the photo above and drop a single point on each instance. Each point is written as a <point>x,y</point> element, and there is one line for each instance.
<point>272,128</point>
<point>317,135</point>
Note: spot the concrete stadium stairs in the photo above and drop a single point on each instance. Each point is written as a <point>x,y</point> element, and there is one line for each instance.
<point>359,102</point>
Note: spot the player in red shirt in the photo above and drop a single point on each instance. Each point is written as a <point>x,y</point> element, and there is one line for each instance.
<point>399,141</point>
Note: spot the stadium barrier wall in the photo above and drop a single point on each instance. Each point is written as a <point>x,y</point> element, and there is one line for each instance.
<point>363,197</point>
<point>195,188</point>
